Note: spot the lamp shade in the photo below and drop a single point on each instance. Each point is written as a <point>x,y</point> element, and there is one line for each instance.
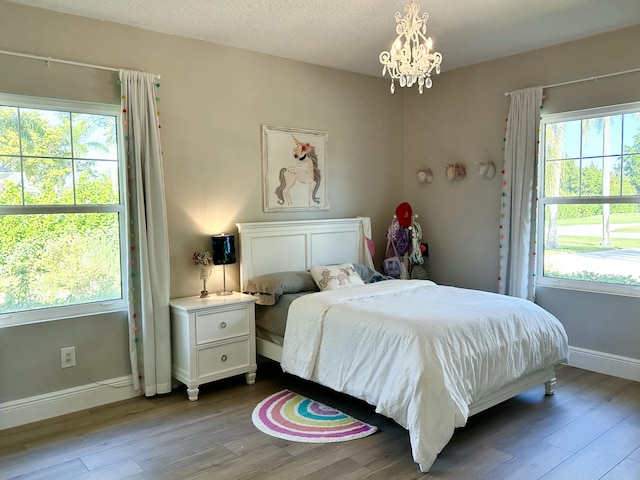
<point>224,249</point>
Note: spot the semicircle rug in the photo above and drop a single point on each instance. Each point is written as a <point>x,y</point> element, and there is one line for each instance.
<point>291,416</point>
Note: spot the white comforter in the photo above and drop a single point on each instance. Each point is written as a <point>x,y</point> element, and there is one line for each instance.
<point>420,352</point>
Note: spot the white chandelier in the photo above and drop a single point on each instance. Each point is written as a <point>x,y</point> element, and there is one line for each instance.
<point>410,60</point>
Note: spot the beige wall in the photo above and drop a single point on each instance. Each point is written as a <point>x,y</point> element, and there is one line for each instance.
<point>211,143</point>
<point>211,137</point>
<point>462,119</point>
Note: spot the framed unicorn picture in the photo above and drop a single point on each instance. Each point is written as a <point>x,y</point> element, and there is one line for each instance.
<point>294,167</point>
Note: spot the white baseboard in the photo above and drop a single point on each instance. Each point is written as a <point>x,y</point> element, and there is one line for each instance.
<point>49,405</point>
<point>607,363</point>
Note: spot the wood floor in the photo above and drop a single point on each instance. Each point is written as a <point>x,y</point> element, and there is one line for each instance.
<point>590,429</point>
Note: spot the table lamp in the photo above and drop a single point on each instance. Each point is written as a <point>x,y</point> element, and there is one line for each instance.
<point>224,253</point>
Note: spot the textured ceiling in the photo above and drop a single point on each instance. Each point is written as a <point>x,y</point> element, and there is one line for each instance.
<point>350,34</point>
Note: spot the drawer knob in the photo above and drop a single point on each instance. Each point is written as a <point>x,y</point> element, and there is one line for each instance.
<point>223,325</point>
<point>223,358</point>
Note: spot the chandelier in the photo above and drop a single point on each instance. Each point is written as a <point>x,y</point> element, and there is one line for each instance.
<point>410,60</point>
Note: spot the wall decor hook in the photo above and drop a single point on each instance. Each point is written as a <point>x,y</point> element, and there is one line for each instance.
<point>456,171</point>
<point>425,176</point>
<point>487,169</point>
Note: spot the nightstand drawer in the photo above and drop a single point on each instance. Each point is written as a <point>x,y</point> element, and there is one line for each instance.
<point>221,358</point>
<point>220,325</point>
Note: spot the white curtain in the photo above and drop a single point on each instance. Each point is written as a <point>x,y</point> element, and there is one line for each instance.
<point>519,185</point>
<point>149,328</point>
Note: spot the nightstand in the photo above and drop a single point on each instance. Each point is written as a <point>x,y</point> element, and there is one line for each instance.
<point>212,338</point>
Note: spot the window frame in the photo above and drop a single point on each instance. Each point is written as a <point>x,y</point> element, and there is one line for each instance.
<point>543,201</point>
<point>90,308</point>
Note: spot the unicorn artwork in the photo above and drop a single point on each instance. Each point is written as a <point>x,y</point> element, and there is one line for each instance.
<point>303,173</point>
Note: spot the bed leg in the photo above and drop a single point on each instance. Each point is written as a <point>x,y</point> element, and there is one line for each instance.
<point>550,386</point>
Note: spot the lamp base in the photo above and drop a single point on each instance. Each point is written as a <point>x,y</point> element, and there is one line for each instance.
<point>203,276</point>
<point>224,283</point>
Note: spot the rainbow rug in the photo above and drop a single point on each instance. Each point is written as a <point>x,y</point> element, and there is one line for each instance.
<point>293,417</point>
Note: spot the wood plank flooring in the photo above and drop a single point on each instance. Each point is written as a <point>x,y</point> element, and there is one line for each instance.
<point>590,429</point>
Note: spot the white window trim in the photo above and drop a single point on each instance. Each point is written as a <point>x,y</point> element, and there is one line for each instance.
<point>561,283</point>
<point>86,309</point>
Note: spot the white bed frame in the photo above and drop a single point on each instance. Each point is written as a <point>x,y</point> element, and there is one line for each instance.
<point>267,247</point>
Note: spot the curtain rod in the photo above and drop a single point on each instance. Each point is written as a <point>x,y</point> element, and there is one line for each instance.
<point>595,77</point>
<point>48,60</point>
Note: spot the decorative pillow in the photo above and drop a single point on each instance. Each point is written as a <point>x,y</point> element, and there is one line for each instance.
<point>270,286</point>
<point>333,277</point>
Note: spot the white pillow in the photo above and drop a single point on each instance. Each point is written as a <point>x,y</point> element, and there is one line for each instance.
<point>334,277</point>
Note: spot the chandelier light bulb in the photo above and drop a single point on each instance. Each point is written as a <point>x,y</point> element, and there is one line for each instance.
<point>410,60</point>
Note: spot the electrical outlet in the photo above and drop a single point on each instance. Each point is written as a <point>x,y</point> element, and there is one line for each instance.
<point>68,357</point>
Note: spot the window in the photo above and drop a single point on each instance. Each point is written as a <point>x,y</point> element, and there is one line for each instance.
<point>62,211</point>
<point>589,200</point>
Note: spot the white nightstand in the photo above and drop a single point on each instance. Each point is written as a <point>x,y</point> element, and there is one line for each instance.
<point>212,338</point>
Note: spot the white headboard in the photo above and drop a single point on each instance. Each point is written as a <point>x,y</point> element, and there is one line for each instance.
<point>267,247</point>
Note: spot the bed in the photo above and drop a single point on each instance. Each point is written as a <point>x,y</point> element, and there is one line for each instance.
<point>425,355</point>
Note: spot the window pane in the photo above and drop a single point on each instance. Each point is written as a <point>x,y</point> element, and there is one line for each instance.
<point>94,136</point>
<point>631,162</point>
<point>591,177</point>
<point>602,136</point>
<point>612,168</point>
<point>45,133</point>
<point>592,137</point>
<point>631,174</point>
<point>96,182</point>
<point>554,135</point>
<point>10,139</point>
<point>58,260</point>
<point>562,140</point>
<point>593,243</point>
<point>631,132</point>
<point>571,143</point>
<point>562,178</point>
<point>612,135</point>
<point>48,181</point>
<point>10,181</point>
